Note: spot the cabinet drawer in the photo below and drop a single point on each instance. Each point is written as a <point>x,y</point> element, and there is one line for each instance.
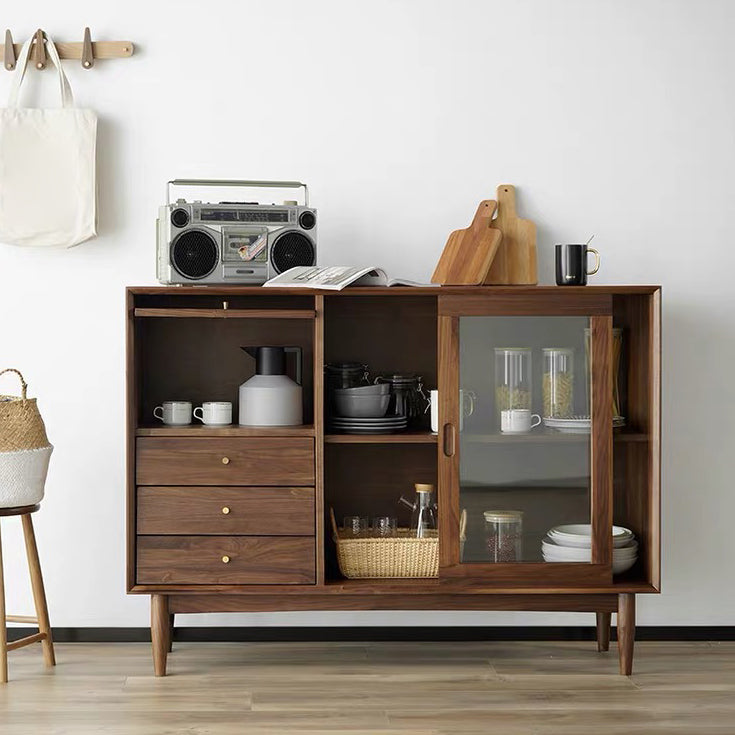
<point>229,511</point>
<point>226,560</point>
<point>225,461</point>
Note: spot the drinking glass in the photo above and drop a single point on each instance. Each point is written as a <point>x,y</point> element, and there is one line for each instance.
<point>384,526</point>
<point>356,526</point>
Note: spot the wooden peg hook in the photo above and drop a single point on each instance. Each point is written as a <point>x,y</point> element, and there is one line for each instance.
<point>9,60</point>
<point>87,52</point>
<point>39,50</point>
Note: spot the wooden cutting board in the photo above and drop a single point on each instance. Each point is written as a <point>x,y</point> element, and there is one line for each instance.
<point>515,261</point>
<point>469,253</point>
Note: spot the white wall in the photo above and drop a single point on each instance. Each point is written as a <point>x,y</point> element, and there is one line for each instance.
<point>614,118</point>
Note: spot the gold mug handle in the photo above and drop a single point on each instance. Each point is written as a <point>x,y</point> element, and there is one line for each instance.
<point>597,261</point>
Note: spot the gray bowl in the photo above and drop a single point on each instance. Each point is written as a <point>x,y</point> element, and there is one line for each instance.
<point>370,406</point>
<point>380,389</point>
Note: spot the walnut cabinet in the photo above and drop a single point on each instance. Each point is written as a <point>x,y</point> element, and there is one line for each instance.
<point>233,519</point>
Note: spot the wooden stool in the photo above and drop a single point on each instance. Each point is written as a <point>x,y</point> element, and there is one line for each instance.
<point>39,598</point>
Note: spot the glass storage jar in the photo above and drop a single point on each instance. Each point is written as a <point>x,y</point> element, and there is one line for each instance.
<point>407,397</point>
<point>346,375</point>
<point>558,382</point>
<point>504,535</point>
<point>512,379</point>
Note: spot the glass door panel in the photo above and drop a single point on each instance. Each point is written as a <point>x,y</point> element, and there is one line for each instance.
<point>524,435</point>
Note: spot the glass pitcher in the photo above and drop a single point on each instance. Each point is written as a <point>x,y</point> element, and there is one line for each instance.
<point>423,517</point>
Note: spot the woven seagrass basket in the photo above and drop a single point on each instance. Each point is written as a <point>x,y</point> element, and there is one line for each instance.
<point>24,448</point>
<point>399,556</point>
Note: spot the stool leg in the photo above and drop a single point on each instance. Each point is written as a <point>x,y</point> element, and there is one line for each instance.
<point>39,596</point>
<point>3,627</point>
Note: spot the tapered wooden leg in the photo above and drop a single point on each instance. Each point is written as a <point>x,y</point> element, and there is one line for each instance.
<point>159,632</point>
<point>603,631</point>
<point>3,627</point>
<point>626,632</point>
<point>39,595</point>
<point>170,632</point>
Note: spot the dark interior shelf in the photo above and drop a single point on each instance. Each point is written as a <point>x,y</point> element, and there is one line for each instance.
<point>231,430</point>
<point>404,437</point>
<point>548,437</point>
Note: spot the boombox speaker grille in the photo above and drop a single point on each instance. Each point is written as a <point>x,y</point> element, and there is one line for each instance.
<point>194,254</point>
<point>291,249</point>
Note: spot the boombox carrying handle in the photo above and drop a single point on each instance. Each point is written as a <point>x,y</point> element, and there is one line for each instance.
<point>237,182</point>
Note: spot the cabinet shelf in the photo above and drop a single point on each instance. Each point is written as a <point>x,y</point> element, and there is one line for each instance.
<point>549,437</point>
<point>405,437</point>
<point>192,313</point>
<point>231,430</point>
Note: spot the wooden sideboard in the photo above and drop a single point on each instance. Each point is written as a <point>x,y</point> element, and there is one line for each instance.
<point>233,519</point>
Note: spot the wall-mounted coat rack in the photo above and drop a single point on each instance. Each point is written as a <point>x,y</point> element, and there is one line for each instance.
<point>86,50</point>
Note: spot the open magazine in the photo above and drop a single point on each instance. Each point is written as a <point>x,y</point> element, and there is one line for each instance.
<point>337,277</point>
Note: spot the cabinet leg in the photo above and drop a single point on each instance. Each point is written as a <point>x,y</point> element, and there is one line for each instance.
<point>159,633</point>
<point>626,632</point>
<point>3,626</point>
<point>39,595</point>
<point>603,631</point>
<point>170,632</point>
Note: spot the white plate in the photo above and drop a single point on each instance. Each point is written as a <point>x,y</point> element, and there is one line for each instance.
<point>618,566</point>
<point>578,424</point>
<point>568,552</point>
<point>580,535</point>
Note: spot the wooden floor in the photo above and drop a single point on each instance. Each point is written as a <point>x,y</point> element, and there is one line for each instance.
<point>406,688</point>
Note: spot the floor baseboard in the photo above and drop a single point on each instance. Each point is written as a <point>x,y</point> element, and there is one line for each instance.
<point>363,633</point>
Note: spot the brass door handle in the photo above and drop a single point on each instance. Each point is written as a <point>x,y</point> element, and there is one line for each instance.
<point>449,440</point>
<point>225,460</point>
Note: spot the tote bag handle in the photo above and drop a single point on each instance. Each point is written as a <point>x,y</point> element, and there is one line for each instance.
<point>67,99</point>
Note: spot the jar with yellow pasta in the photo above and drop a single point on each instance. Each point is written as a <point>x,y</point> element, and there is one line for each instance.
<point>512,379</point>
<point>558,382</point>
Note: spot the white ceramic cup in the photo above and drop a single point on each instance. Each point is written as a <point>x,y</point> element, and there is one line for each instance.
<point>214,413</point>
<point>518,421</point>
<point>466,401</point>
<point>174,413</point>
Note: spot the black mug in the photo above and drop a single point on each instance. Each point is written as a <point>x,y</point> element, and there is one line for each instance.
<point>571,265</point>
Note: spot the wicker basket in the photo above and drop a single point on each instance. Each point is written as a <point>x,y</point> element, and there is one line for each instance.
<point>400,556</point>
<point>24,449</point>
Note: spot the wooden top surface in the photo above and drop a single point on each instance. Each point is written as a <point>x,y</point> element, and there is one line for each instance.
<point>390,291</point>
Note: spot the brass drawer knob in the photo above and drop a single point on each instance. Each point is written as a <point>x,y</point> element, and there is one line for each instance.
<point>225,559</point>
<point>225,460</point>
<point>225,511</point>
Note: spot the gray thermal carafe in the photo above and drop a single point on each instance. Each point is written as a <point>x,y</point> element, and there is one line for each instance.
<point>270,397</point>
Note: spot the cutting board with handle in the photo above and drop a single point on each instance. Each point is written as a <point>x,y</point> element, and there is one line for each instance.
<point>515,261</point>
<point>469,253</point>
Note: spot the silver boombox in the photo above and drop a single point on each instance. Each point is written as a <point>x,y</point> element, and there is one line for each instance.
<point>233,242</point>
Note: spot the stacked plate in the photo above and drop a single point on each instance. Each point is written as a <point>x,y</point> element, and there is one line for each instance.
<point>574,543</point>
<point>382,425</point>
<point>578,424</point>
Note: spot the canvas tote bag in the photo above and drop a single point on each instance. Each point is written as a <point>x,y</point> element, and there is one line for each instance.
<point>47,167</point>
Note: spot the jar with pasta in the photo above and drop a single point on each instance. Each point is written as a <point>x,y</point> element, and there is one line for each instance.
<point>512,379</point>
<point>558,382</point>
